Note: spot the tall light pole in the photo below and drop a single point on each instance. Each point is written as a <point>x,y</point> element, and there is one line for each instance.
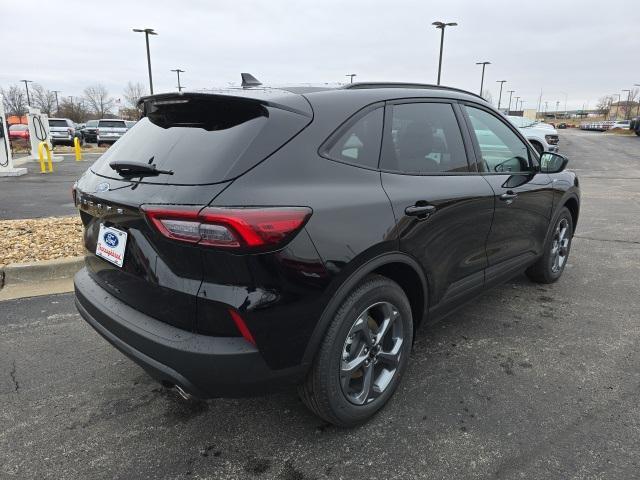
<point>511,92</point>
<point>517,98</point>
<point>351,75</point>
<point>178,71</point>
<point>522,107</point>
<point>557,107</point>
<point>484,64</point>
<point>26,86</point>
<point>501,82</point>
<point>56,92</point>
<point>637,109</point>
<point>626,110</point>
<point>147,32</point>
<point>442,26</point>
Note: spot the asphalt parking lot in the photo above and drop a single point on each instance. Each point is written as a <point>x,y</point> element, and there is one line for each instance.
<point>527,382</point>
<point>37,195</point>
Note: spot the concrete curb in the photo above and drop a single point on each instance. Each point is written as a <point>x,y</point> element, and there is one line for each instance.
<point>38,272</point>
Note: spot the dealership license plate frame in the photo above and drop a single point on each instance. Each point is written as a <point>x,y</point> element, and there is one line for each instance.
<point>111,245</point>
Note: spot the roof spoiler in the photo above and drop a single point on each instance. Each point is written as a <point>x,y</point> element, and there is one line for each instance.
<point>249,80</point>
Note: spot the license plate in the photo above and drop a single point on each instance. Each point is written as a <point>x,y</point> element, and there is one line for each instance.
<point>111,245</point>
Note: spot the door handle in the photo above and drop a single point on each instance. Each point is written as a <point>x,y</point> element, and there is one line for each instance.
<point>508,196</point>
<point>419,210</point>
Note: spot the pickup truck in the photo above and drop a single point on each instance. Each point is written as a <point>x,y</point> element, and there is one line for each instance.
<point>110,130</point>
<point>542,136</point>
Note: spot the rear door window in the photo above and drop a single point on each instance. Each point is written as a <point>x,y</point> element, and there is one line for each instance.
<point>58,123</point>
<point>424,138</point>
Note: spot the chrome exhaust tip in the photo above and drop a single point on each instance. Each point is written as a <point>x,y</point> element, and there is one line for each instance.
<point>182,393</point>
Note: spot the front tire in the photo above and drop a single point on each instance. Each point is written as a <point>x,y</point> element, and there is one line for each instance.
<point>549,267</point>
<point>363,355</point>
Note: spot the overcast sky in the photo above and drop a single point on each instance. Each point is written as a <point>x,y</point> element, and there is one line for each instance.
<point>583,48</point>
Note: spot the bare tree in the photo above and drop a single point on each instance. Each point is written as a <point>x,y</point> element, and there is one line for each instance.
<point>629,104</point>
<point>43,99</point>
<point>98,100</point>
<point>74,108</point>
<point>14,100</point>
<point>604,105</point>
<point>132,93</point>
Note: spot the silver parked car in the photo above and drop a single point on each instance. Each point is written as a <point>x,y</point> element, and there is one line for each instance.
<point>62,131</point>
<point>110,130</point>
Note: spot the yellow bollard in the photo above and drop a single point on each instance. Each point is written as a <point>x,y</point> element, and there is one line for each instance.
<point>43,168</point>
<point>76,146</point>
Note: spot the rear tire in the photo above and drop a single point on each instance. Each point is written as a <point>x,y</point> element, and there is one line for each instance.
<point>372,328</point>
<point>549,267</point>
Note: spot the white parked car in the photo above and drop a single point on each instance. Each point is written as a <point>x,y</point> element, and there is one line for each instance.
<point>542,136</point>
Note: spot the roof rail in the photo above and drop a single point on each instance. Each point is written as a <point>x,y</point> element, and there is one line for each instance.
<point>364,85</point>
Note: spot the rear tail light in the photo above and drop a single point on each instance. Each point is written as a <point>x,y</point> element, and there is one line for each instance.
<point>226,227</point>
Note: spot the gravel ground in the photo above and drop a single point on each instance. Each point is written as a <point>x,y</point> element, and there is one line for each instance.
<point>40,239</point>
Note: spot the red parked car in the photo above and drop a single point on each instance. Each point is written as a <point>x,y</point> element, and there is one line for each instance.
<point>19,132</point>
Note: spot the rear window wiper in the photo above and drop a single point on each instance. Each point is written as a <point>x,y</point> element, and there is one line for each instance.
<point>137,169</point>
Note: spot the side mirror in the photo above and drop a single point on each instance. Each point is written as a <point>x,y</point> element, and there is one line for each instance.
<point>552,162</point>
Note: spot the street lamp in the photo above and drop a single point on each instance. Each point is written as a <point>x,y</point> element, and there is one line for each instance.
<point>511,92</point>
<point>147,32</point>
<point>56,92</point>
<point>442,26</point>
<point>557,107</point>
<point>501,82</point>
<point>517,98</point>
<point>484,64</point>
<point>178,71</point>
<point>351,75</point>
<point>626,110</point>
<point>26,86</point>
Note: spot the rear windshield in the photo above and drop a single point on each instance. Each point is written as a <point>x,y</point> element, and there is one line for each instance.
<point>112,124</point>
<point>18,128</point>
<point>58,123</point>
<point>203,141</point>
<point>91,123</point>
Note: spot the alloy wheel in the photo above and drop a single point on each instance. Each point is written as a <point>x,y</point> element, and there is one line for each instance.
<point>371,353</point>
<point>560,246</point>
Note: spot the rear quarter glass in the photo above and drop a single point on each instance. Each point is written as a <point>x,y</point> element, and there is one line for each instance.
<point>204,141</point>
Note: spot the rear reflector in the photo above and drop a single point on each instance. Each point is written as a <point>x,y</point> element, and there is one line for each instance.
<point>249,227</point>
<point>242,327</point>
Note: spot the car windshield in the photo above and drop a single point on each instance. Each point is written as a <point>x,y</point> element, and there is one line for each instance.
<point>57,123</point>
<point>112,124</point>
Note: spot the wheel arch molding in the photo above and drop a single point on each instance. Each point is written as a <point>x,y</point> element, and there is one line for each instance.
<point>397,266</point>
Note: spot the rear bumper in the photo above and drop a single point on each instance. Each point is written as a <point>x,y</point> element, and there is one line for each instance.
<point>201,365</point>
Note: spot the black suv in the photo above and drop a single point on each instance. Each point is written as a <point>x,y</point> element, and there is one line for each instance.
<point>251,239</point>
